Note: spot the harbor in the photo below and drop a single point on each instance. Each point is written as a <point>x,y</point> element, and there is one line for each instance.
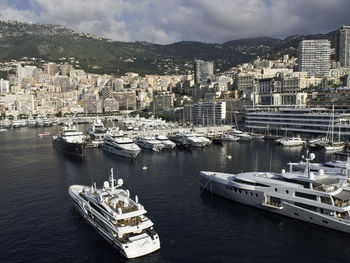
<point>37,192</point>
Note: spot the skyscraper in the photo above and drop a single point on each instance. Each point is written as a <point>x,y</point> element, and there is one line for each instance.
<point>314,56</point>
<point>203,71</point>
<point>342,50</point>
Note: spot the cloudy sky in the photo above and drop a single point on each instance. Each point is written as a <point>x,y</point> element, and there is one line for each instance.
<point>167,21</point>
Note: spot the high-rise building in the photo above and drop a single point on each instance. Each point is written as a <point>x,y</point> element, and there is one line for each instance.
<point>161,102</point>
<point>314,57</point>
<point>209,113</point>
<point>203,71</point>
<point>342,50</point>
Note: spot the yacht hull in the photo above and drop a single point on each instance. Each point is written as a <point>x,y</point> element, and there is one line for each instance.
<point>250,197</point>
<point>75,149</point>
<point>121,152</point>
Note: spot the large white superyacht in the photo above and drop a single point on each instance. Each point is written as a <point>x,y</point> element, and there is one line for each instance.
<point>149,142</point>
<point>197,140</point>
<point>116,217</point>
<point>165,141</point>
<point>315,198</point>
<point>116,143</point>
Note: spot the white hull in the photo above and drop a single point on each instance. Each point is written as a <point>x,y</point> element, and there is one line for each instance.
<point>248,196</point>
<point>121,152</point>
<point>291,143</point>
<point>333,148</point>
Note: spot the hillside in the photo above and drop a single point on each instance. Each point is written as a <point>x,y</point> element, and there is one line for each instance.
<point>99,55</point>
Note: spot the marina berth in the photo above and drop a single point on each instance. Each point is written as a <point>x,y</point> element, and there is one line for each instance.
<point>117,218</point>
<point>317,198</point>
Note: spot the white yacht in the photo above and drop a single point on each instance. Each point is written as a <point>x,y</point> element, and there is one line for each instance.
<point>315,198</point>
<point>39,122</point>
<point>148,142</point>
<point>243,136</point>
<point>16,123</point>
<point>47,122</point>
<point>23,122</point>
<point>116,143</point>
<point>229,137</point>
<point>196,140</point>
<point>179,138</point>
<point>6,124</point>
<point>116,217</point>
<point>334,146</point>
<point>332,167</point>
<point>31,122</point>
<point>97,131</point>
<point>165,141</point>
<point>292,141</point>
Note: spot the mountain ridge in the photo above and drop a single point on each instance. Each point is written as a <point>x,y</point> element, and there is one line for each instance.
<point>102,55</point>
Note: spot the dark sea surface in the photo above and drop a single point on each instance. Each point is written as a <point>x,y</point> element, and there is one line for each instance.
<point>39,222</point>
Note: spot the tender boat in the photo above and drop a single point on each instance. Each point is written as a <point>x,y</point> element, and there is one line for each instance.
<point>292,141</point>
<point>116,217</point>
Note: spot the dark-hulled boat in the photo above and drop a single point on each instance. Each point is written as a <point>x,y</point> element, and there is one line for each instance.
<point>70,141</point>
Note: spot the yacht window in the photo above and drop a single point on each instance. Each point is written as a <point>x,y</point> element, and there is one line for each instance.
<point>250,183</point>
<point>97,208</point>
<point>308,207</point>
<point>275,189</point>
<point>324,221</point>
<point>296,214</point>
<point>326,200</point>
<point>307,196</point>
<point>239,191</point>
<point>287,192</point>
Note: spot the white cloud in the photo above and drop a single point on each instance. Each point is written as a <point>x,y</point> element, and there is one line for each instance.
<point>162,21</point>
